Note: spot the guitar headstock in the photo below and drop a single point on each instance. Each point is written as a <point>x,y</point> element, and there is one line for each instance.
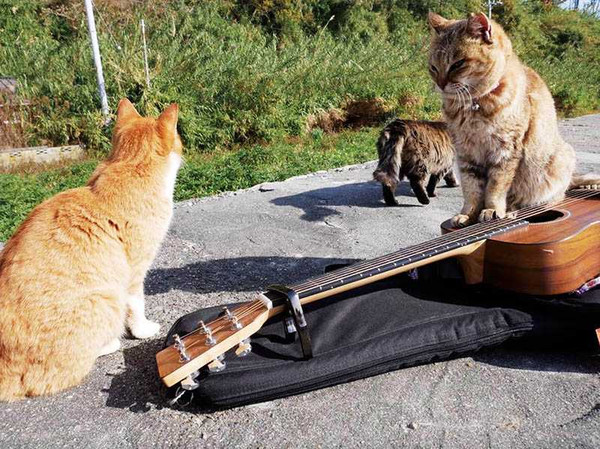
<point>209,342</point>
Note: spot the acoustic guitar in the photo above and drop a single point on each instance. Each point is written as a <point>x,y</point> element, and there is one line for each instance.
<point>538,250</point>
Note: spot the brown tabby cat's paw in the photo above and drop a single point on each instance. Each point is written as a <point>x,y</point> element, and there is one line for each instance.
<point>460,220</point>
<point>490,214</point>
<point>144,329</point>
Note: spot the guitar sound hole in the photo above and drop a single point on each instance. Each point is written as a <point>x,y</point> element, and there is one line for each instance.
<point>545,217</point>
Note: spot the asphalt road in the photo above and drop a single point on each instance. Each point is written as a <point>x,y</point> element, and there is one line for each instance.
<point>224,248</point>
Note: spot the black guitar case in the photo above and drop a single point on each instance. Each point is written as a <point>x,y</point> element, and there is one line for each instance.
<point>386,326</point>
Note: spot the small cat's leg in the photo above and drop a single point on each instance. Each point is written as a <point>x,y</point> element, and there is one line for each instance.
<point>450,179</point>
<point>473,187</point>
<point>138,324</point>
<point>432,184</point>
<point>500,178</point>
<point>112,346</point>
<point>389,196</point>
<point>418,185</point>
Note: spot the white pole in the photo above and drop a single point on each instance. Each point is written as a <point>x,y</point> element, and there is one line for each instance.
<point>96,52</point>
<point>145,54</point>
<point>491,4</point>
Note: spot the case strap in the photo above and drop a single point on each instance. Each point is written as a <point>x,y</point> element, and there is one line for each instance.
<point>295,310</point>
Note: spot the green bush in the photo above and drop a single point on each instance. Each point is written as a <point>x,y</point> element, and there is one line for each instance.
<point>252,71</point>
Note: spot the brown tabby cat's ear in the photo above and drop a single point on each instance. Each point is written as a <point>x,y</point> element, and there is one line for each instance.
<point>437,22</point>
<point>126,111</point>
<point>478,25</point>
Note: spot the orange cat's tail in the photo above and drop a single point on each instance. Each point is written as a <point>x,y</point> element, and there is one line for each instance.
<point>587,181</point>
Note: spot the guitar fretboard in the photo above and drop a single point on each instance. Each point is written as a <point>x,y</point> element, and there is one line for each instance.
<point>404,257</point>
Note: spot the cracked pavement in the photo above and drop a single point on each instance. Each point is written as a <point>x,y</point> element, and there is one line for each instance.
<point>224,248</point>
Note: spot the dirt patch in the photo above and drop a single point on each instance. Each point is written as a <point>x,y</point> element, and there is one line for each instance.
<point>330,121</point>
<point>353,114</point>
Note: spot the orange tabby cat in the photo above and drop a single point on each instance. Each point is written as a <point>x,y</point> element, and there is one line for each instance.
<point>72,276</point>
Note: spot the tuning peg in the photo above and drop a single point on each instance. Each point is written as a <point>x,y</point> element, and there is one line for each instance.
<point>235,324</point>
<point>180,346</point>
<point>210,340</point>
<point>217,364</point>
<point>244,348</point>
<point>189,383</point>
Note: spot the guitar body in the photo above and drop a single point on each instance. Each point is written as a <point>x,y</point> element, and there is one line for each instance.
<point>556,253</point>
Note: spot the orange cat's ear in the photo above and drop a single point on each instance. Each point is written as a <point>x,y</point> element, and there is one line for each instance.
<point>126,111</point>
<point>167,125</point>
<point>437,22</point>
<point>168,118</point>
<point>480,26</point>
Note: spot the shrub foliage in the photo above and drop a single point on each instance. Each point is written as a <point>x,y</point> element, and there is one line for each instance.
<point>248,71</point>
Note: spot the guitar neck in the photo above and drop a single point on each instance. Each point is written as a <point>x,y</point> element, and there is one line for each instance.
<point>458,243</point>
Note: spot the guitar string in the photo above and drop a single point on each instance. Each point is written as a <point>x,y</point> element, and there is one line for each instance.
<point>576,196</point>
<point>522,214</point>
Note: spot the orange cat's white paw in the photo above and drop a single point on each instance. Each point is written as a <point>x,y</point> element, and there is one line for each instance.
<point>112,346</point>
<point>490,214</point>
<point>144,329</point>
<point>459,220</point>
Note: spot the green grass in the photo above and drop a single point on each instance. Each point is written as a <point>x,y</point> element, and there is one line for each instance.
<point>20,193</point>
<point>200,175</point>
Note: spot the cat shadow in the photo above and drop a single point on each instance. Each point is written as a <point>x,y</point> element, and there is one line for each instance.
<point>320,203</point>
<point>240,274</point>
<point>138,387</point>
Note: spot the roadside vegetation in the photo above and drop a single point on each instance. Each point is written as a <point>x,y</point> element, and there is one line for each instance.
<point>267,88</point>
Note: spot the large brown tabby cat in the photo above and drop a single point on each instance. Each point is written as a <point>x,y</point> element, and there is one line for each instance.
<point>72,275</point>
<point>502,120</point>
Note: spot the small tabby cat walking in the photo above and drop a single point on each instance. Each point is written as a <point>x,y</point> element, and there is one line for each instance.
<point>72,275</point>
<point>502,120</point>
<point>418,149</point>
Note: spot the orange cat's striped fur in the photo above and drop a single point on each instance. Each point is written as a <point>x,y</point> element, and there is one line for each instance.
<point>502,120</point>
<point>72,275</point>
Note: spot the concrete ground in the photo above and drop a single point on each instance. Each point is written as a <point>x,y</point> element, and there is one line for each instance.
<point>225,248</point>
